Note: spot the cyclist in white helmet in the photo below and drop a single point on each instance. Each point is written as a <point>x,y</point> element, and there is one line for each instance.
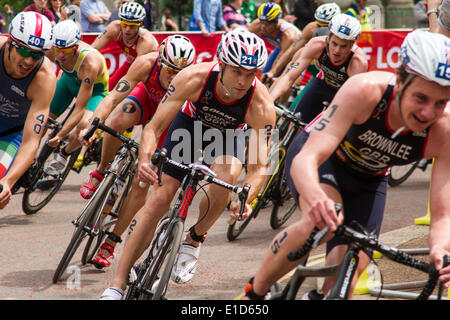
<point>137,96</point>
<point>335,55</point>
<point>84,76</point>
<point>220,97</point>
<point>323,15</point>
<point>27,85</point>
<point>128,33</point>
<point>340,157</point>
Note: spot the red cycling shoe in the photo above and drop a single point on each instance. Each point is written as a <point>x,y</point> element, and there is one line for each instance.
<point>87,190</point>
<point>101,261</point>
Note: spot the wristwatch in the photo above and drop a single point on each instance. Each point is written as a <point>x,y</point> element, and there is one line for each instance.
<point>432,11</point>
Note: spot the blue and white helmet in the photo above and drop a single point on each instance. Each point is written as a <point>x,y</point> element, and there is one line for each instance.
<point>427,54</point>
<point>345,27</point>
<point>66,34</point>
<point>32,29</point>
<point>242,48</point>
<point>132,11</point>
<point>325,12</point>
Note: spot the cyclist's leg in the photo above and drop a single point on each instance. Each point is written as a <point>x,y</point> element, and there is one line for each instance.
<point>364,202</point>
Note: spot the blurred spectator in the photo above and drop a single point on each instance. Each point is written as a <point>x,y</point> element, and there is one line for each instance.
<point>248,10</point>
<point>59,12</point>
<point>360,11</point>
<point>304,12</point>
<point>440,20</point>
<point>115,12</point>
<point>233,18</point>
<point>94,15</point>
<point>73,11</point>
<point>40,6</point>
<point>206,16</point>
<point>150,14</point>
<point>420,13</point>
<point>167,21</point>
<point>9,15</point>
<point>285,14</point>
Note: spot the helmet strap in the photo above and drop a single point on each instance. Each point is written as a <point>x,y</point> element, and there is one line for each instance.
<point>398,99</point>
<point>222,70</point>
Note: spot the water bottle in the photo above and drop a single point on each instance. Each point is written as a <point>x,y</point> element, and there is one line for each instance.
<point>117,187</point>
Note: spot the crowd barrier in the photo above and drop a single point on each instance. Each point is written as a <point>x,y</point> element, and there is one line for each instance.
<point>381,47</point>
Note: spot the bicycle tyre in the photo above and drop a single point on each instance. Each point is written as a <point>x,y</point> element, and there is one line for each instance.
<point>163,261</point>
<point>235,228</point>
<point>279,195</point>
<point>139,270</point>
<point>277,221</point>
<point>406,171</point>
<point>79,234</point>
<point>27,206</point>
<point>104,191</point>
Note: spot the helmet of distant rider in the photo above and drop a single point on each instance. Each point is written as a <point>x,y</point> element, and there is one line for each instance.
<point>269,11</point>
<point>32,29</point>
<point>66,34</point>
<point>427,54</point>
<point>177,52</point>
<point>345,27</point>
<point>132,11</point>
<point>325,12</point>
<point>242,48</point>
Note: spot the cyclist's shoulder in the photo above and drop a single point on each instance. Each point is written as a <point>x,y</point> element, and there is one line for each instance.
<point>367,87</point>
<point>147,38</point>
<point>3,39</point>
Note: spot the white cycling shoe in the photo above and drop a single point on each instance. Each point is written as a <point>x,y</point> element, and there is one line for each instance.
<point>56,166</point>
<point>112,294</point>
<point>186,264</point>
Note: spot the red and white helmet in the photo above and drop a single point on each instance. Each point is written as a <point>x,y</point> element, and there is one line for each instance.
<point>242,48</point>
<point>177,52</point>
<point>427,54</point>
<point>32,29</point>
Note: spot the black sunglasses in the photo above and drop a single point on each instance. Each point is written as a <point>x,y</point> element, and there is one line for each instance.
<point>25,52</point>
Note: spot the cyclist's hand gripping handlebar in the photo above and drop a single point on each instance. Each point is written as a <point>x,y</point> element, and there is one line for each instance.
<point>243,195</point>
<point>92,128</point>
<point>157,162</point>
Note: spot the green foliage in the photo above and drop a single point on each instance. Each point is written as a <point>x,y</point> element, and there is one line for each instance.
<point>15,5</point>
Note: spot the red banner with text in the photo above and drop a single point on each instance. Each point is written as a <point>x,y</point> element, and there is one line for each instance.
<point>381,48</point>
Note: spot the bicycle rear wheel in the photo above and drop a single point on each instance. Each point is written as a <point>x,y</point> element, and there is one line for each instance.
<point>282,195</point>
<point>399,174</point>
<point>158,274</point>
<point>43,187</point>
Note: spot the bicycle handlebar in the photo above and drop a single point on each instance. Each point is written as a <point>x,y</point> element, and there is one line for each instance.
<point>160,158</point>
<point>371,242</point>
<point>294,117</point>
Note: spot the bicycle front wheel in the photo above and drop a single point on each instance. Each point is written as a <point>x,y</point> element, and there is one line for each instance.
<point>235,228</point>
<point>399,174</point>
<point>44,186</point>
<point>158,274</point>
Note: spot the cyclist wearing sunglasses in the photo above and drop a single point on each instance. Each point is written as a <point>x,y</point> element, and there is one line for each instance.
<point>138,94</point>
<point>131,38</point>
<point>225,96</point>
<point>84,77</point>
<point>27,86</point>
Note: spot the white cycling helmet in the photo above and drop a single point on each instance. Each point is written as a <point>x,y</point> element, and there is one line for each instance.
<point>66,34</point>
<point>325,12</point>
<point>345,27</point>
<point>32,29</point>
<point>177,52</point>
<point>242,48</point>
<point>132,11</point>
<point>427,54</point>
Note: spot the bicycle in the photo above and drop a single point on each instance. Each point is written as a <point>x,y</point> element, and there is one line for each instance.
<point>345,271</point>
<point>399,174</point>
<point>275,189</point>
<point>101,211</point>
<point>149,280</point>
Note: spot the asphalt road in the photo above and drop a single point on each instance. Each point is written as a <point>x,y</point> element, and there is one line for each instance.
<point>31,247</point>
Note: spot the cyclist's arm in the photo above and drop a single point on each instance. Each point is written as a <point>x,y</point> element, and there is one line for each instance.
<point>353,104</point>
<point>289,37</point>
<point>438,146</point>
<point>254,27</point>
<point>147,43</point>
<point>295,47</point>
<point>295,68</point>
<point>137,72</point>
<point>92,66</point>
<point>111,32</point>
<point>41,92</point>
<point>186,85</point>
<point>261,118</point>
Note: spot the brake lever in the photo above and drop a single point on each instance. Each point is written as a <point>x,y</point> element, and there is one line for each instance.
<point>92,129</point>
<point>243,195</point>
<point>157,161</point>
